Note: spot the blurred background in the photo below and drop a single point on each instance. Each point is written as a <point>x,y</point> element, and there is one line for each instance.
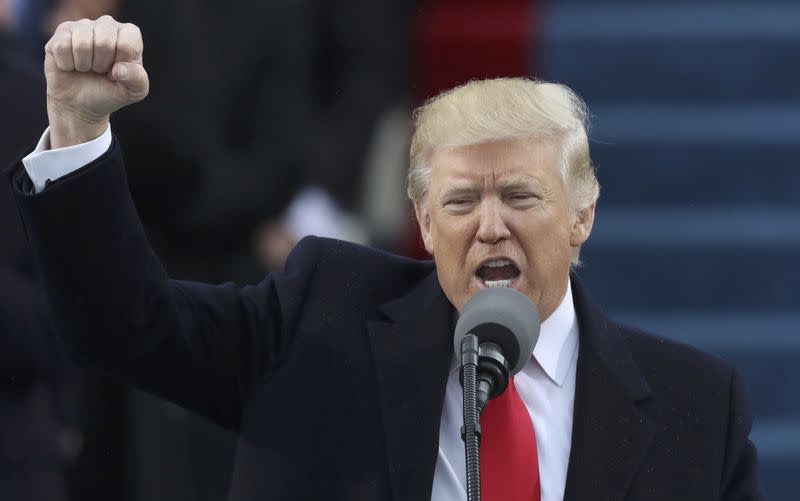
<point>268,121</point>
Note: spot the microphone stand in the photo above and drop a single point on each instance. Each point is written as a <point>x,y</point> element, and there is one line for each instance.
<point>471,430</point>
<point>484,375</point>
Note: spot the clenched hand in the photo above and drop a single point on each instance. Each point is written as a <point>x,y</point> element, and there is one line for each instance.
<point>93,68</point>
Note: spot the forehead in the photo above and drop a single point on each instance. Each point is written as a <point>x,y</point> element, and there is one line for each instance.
<point>519,159</point>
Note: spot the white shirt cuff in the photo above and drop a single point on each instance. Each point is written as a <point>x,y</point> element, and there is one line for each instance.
<point>44,164</point>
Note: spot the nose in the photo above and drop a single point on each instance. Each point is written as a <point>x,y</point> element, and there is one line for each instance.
<point>492,226</point>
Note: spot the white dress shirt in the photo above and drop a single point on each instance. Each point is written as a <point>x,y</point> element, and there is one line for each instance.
<point>547,387</point>
<point>44,164</point>
<point>546,383</point>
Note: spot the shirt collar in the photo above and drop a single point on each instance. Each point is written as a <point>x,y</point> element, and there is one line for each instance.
<point>558,339</point>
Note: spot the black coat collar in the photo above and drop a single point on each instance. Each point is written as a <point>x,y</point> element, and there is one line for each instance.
<point>413,349</point>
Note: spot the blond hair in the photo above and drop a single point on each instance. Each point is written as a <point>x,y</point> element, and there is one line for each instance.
<point>500,109</point>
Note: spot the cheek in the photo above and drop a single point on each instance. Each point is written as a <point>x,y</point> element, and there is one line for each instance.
<point>452,233</point>
<point>544,239</point>
<point>451,243</point>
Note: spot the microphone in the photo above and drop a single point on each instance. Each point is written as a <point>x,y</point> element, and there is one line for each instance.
<point>506,325</point>
<point>495,335</point>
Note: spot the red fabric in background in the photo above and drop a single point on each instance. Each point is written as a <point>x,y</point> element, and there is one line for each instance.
<point>460,41</point>
<point>457,41</point>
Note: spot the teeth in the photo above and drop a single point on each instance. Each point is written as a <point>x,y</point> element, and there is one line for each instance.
<point>498,263</point>
<point>498,283</point>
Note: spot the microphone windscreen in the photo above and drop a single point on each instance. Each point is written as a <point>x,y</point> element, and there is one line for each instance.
<point>505,317</point>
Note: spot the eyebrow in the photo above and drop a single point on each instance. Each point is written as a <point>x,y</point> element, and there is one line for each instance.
<point>459,188</point>
<point>518,183</point>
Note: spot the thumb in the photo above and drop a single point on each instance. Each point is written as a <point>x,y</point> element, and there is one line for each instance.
<point>133,77</point>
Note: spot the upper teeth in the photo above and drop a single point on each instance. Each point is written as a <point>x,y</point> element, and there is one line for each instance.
<point>498,263</point>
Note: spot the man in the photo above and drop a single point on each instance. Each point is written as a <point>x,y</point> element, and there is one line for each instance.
<point>339,372</point>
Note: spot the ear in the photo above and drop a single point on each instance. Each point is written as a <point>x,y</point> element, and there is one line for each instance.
<point>424,221</point>
<point>582,227</point>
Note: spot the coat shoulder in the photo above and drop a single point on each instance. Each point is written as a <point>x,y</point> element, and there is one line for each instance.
<point>700,396</point>
<point>356,258</point>
<point>673,362</point>
<point>358,270</point>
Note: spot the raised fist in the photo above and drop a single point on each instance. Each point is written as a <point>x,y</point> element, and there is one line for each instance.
<point>93,68</point>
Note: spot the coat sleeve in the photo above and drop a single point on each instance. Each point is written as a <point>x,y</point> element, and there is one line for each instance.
<point>740,470</point>
<point>201,346</point>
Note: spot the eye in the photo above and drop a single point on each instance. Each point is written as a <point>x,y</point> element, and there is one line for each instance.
<point>521,197</point>
<point>459,204</point>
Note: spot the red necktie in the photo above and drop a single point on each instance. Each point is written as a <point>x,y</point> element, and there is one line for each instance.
<point>509,461</point>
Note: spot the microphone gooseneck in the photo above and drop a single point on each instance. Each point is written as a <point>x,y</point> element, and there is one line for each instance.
<point>471,430</point>
<point>495,335</point>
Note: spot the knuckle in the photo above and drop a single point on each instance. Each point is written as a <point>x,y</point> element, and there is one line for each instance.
<point>62,48</point>
<point>133,28</point>
<point>63,27</point>
<point>126,49</point>
<point>103,46</point>
<point>82,45</point>
<point>106,18</point>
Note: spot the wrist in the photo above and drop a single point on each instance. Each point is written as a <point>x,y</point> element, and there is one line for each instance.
<point>68,127</point>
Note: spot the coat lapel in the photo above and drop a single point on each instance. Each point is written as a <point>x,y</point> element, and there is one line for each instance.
<point>611,433</point>
<point>412,351</point>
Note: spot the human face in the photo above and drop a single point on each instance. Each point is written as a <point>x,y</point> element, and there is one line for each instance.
<point>498,214</point>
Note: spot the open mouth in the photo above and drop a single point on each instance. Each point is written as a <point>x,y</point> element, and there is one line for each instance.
<point>498,273</point>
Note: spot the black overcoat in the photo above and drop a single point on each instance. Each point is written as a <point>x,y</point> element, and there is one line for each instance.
<point>334,370</point>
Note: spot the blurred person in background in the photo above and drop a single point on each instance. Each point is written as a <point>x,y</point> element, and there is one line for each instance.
<point>293,131</point>
<point>246,160</point>
<point>23,20</point>
<point>296,90</point>
<point>32,363</point>
<point>361,85</point>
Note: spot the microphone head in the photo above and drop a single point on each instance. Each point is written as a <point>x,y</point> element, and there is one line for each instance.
<point>505,317</point>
